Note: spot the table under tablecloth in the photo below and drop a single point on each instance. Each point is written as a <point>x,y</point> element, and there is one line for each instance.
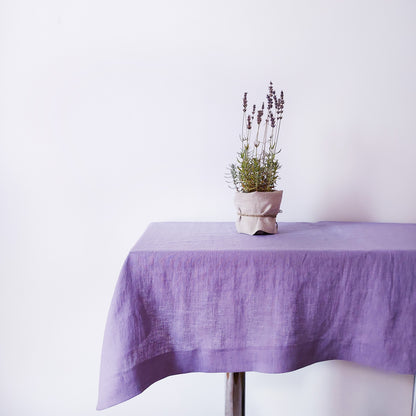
<point>199,297</point>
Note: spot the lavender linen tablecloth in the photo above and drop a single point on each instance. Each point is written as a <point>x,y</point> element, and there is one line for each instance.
<point>199,297</point>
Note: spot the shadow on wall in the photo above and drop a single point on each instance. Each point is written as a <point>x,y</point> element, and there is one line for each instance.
<point>350,179</point>
<point>347,203</point>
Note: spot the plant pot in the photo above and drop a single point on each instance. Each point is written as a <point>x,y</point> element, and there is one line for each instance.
<point>257,212</point>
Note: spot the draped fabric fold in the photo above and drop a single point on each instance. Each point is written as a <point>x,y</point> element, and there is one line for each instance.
<point>199,297</point>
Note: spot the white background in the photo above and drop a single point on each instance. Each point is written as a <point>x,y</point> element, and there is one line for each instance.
<point>116,114</point>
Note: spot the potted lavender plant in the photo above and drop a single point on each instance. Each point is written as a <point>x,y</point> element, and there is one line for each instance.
<point>255,173</point>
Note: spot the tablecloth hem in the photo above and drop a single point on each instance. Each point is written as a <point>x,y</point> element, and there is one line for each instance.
<point>135,382</point>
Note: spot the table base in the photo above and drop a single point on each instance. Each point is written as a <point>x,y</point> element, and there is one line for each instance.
<point>414,397</point>
<point>235,386</point>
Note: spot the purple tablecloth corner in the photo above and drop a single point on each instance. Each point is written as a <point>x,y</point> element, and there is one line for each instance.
<point>199,297</point>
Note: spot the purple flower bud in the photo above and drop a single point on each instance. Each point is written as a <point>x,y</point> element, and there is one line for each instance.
<point>249,122</point>
<point>245,102</point>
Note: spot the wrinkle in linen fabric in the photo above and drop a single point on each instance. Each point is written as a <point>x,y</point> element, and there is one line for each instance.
<point>201,297</point>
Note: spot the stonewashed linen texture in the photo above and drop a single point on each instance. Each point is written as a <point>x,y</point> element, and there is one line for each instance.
<point>200,297</point>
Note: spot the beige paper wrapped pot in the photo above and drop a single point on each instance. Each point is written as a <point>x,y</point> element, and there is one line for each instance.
<point>257,211</point>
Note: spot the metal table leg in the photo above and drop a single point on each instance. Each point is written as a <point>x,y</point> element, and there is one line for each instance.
<point>235,394</point>
<point>414,397</point>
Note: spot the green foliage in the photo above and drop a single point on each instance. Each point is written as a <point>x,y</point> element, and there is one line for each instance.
<point>252,173</point>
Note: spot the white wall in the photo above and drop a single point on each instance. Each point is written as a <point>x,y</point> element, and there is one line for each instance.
<point>116,114</point>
